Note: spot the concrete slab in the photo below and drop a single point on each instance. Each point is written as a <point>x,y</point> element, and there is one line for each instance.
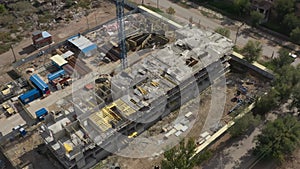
<point>6,124</point>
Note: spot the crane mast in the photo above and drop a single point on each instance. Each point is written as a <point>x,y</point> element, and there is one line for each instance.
<point>121,32</point>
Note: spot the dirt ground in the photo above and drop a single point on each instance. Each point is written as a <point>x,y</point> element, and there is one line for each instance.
<point>95,17</point>
<point>292,163</point>
<point>30,150</point>
<point>149,163</point>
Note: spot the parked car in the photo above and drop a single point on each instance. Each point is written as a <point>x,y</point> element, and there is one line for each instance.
<point>293,55</point>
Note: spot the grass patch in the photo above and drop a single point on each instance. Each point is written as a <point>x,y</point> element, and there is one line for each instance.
<point>46,17</point>
<point>6,19</point>
<point>23,7</point>
<point>4,48</point>
<point>268,65</point>
<point>5,37</point>
<point>84,4</point>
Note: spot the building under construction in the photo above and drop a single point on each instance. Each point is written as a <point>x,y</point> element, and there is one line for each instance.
<point>143,94</point>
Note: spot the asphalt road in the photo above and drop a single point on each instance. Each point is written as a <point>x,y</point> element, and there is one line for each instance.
<point>270,44</point>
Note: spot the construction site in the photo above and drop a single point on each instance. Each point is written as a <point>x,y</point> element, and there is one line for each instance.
<point>88,105</point>
<point>143,93</point>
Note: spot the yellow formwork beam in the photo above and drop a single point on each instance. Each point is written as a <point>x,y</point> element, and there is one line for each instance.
<point>142,90</point>
<point>155,84</point>
<point>101,122</point>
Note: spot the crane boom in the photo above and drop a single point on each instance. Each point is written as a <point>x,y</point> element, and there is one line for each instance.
<point>121,32</point>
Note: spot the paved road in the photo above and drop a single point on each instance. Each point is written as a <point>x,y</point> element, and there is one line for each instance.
<point>269,47</point>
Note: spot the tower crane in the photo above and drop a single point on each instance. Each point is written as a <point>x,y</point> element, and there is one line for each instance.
<point>121,32</point>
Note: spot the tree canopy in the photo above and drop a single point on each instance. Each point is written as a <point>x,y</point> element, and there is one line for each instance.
<point>284,7</point>
<point>252,50</point>
<point>285,85</point>
<point>242,125</point>
<point>278,138</point>
<point>267,102</point>
<point>295,35</point>
<point>256,18</point>
<point>180,156</point>
<point>296,96</point>
<point>241,5</point>
<point>291,21</point>
<point>286,79</point>
<point>282,60</point>
<point>2,9</point>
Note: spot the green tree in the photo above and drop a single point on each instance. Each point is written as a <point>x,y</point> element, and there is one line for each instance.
<point>296,96</point>
<point>295,35</point>
<point>170,11</point>
<point>242,6</point>
<point>252,50</point>
<point>283,7</point>
<point>2,9</point>
<point>279,138</point>
<point>203,156</point>
<point>285,80</point>
<point>267,102</point>
<point>243,124</point>
<point>180,156</point>
<point>283,59</point>
<point>223,31</point>
<point>291,21</point>
<point>256,18</point>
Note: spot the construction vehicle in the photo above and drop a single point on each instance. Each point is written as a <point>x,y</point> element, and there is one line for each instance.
<point>132,135</point>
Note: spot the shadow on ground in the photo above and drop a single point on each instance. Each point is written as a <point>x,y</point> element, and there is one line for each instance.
<point>228,22</point>
<point>41,158</point>
<point>27,50</point>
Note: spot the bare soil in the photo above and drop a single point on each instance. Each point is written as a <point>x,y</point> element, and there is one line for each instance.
<point>95,17</point>
<point>31,150</point>
<point>292,163</point>
<point>149,163</point>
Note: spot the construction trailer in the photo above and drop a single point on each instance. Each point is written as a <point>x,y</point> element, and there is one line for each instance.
<point>55,75</point>
<point>41,113</point>
<point>39,83</point>
<point>143,94</point>
<point>30,96</point>
<point>41,38</point>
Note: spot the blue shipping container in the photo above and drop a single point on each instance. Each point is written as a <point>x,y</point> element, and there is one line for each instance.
<point>41,113</point>
<point>56,75</point>
<point>39,83</point>
<point>30,96</point>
